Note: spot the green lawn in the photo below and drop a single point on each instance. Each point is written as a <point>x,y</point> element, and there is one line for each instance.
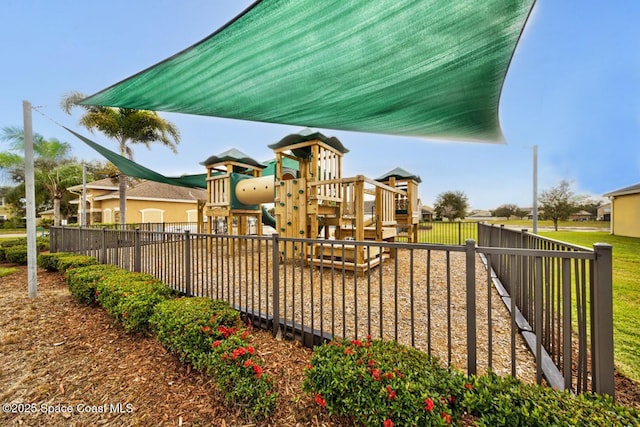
<point>626,293</point>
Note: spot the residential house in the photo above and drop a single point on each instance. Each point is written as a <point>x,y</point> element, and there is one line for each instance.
<point>426,213</point>
<point>604,212</point>
<point>625,211</point>
<point>581,216</point>
<point>147,201</point>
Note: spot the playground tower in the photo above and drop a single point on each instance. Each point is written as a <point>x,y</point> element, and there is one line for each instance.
<point>313,200</point>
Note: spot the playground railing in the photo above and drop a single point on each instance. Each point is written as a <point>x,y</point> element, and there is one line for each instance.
<point>438,298</point>
<point>561,304</point>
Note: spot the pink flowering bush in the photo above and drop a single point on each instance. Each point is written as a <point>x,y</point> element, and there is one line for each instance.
<point>380,383</point>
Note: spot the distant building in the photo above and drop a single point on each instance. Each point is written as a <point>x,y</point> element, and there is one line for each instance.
<point>581,216</point>
<point>625,211</point>
<point>604,212</point>
<point>147,201</point>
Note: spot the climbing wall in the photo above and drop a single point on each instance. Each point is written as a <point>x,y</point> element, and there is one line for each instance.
<point>291,210</point>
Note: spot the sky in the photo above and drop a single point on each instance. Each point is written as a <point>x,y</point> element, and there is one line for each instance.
<point>573,89</point>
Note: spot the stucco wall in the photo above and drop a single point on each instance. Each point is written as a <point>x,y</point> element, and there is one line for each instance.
<point>154,211</point>
<point>626,215</point>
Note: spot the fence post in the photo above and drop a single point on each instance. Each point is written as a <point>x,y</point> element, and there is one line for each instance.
<point>275,304</point>
<point>103,255</point>
<point>187,262</point>
<point>471,306</point>
<point>602,321</point>
<point>137,252</point>
<point>459,232</point>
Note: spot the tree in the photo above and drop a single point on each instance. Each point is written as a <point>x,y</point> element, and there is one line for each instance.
<point>51,161</point>
<point>558,203</point>
<point>126,126</point>
<point>451,205</point>
<point>520,213</point>
<point>56,181</point>
<point>48,153</point>
<point>505,211</point>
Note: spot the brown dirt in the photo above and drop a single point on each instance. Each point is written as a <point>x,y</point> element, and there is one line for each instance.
<point>55,353</point>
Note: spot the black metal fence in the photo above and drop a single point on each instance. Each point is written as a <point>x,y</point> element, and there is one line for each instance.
<point>438,298</point>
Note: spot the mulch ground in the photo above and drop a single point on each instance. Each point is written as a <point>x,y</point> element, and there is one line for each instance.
<point>56,354</point>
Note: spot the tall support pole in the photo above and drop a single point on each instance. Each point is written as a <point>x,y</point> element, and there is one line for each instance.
<point>535,189</point>
<point>83,219</point>
<point>31,201</point>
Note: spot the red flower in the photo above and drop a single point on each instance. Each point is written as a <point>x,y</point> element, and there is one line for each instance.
<point>216,343</point>
<point>376,374</point>
<point>212,319</point>
<point>389,375</point>
<point>446,417</point>
<point>348,351</point>
<point>357,343</point>
<point>468,386</point>
<point>320,401</point>
<point>238,352</point>
<point>258,371</point>
<point>388,423</point>
<point>428,404</point>
<point>392,394</point>
<point>250,349</point>
<point>226,331</point>
<point>309,367</point>
<point>206,329</point>
<point>371,362</point>
<point>244,335</point>
<point>248,363</point>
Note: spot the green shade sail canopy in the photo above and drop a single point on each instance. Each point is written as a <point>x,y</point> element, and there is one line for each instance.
<point>427,68</point>
<point>135,170</point>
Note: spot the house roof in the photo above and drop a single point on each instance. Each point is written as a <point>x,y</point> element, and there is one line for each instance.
<point>157,190</point>
<point>101,184</point>
<point>147,190</point>
<point>633,189</point>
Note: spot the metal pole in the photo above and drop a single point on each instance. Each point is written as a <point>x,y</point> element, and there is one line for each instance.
<point>31,204</point>
<point>83,220</point>
<point>535,189</point>
<point>470,265</point>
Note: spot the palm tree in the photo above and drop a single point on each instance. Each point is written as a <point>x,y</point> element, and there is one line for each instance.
<point>127,126</point>
<point>52,165</point>
<point>49,153</point>
<point>56,181</point>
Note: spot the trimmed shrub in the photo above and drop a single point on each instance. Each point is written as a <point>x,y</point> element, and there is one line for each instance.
<point>63,261</point>
<point>68,262</point>
<point>238,374</point>
<point>382,383</point>
<point>188,326</point>
<point>131,297</point>
<point>16,254</point>
<point>82,281</point>
<point>6,244</point>
<point>506,401</point>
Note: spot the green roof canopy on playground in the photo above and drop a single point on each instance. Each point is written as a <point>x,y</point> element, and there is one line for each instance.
<point>428,68</point>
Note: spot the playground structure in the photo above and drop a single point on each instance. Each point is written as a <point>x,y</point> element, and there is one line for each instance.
<point>312,199</point>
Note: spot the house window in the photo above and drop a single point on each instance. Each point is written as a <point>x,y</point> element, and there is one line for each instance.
<point>152,215</point>
<point>192,215</point>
